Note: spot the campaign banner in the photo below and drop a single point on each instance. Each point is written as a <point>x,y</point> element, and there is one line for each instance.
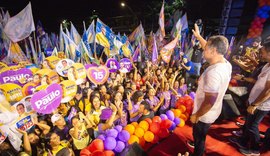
<point>46,101</point>
<point>69,89</point>
<point>23,106</point>
<point>77,73</point>
<point>2,65</point>
<point>29,88</point>
<point>87,66</point>
<point>3,136</point>
<point>52,61</point>
<point>63,66</point>
<point>12,92</point>
<point>72,113</point>
<point>19,77</point>
<point>98,75</point>
<point>25,123</point>
<point>113,65</point>
<point>125,65</point>
<point>47,76</point>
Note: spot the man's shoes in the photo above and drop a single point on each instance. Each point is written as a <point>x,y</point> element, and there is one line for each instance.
<point>239,124</point>
<point>247,152</point>
<point>190,144</point>
<point>237,142</point>
<point>237,133</point>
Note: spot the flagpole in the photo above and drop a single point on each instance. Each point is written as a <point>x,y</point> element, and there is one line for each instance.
<point>35,42</point>
<point>84,26</point>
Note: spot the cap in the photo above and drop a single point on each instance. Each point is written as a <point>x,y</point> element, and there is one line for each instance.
<point>55,117</point>
<point>185,56</point>
<point>105,114</point>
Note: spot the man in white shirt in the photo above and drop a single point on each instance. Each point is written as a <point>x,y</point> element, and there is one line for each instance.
<point>259,106</point>
<point>212,86</point>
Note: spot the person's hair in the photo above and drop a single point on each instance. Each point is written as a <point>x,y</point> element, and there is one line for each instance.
<point>219,42</point>
<point>20,104</point>
<point>266,44</point>
<point>136,96</point>
<point>146,105</point>
<point>64,61</point>
<point>92,99</point>
<point>74,117</point>
<point>48,140</point>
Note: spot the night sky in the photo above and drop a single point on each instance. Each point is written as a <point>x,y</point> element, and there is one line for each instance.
<point>52,12</point>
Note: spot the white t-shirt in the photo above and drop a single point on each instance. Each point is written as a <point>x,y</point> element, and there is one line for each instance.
<point>215,79</point>
<point>259,87</point>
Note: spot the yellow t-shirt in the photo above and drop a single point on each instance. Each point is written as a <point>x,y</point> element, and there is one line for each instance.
<point>83,138</point>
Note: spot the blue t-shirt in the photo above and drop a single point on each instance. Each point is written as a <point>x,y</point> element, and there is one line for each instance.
<point>192,69</point>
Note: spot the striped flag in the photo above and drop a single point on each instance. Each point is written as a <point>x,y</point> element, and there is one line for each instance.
<point>74,35</point>
<point>161,22</point>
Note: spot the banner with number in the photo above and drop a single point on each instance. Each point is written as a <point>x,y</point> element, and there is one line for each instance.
<point>98,75</point>
<point>25,123</point>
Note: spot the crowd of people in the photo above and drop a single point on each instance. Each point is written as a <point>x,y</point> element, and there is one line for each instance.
<point>148,90</point>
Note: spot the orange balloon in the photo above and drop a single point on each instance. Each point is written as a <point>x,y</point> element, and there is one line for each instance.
<point>144,125</point>
<point>149,136</point>
<point>132,139</point>
<point>157,119</point>
<point>182,108</point>
<point>154,127</point>
<point>130,128</point>
<point>108,153</point>
<point>155,140</point>
<point>139,132</point>
<point>182,123</point>
<point>148,120</point>
<point>135,124</point>
<point>177,112</point>
<point>182,116</point>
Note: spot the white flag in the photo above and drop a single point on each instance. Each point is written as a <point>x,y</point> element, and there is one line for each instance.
<point>21,25</point>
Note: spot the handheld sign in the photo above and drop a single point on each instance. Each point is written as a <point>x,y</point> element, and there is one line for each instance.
<point>113,65</point>
<point>25,123</point>
<point>69,90</point>
<point>125,65</point>
<point>63,66</point>
<point>52,60</point>
<point>77,73</point>
<point>18,76</point>
<point>46,101</point>
<point>12,92</point>
<point>98,75</point>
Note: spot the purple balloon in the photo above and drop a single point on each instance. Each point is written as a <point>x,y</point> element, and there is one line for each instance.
<point>118,128</point>
<point>163,116</point>
<point>120,146</point>
<point>112,133</point>
<point>124,136</point>
<point>170,115</point>
<point>192,95</point>
<point>177,121</point>
<point>109,143</point>
<point>101,137</point>
<point>173,126</point>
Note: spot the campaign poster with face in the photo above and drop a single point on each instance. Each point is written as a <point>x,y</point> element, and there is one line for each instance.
<point>62,67</point>
<point>113,65</point>
<point>77,73</point>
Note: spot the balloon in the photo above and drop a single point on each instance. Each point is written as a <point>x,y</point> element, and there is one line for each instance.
<point>154,127</point>
<point>120,146</point>
<point>142,141</point>
<point>148,120</point>
<point>192,95</point>
<point>163,133</point>
<point>144,125</point>
<point>173,126</point>
<point>85,152</point>
<point>183,116</point>
<point>118,128</point>
<point>182,108</point>
<point>132,139</point>
<point>97,153</point>
<point>157,119</point>
<point>130,128</point>
<point>124,136</point>
<point>166,124</point>
<point>148,136</point>
<point>109,143</point>
<point>177,121</point>
<point>182,123</point>
<point>101,137</point>
<point>97,144</point>
<point>108,153</point>
<point>163,116</point>
<point>170,115</point>
<point>177,113</point>
<point>135,124</point>
<point>139,132</point>
<point>112,133</point>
